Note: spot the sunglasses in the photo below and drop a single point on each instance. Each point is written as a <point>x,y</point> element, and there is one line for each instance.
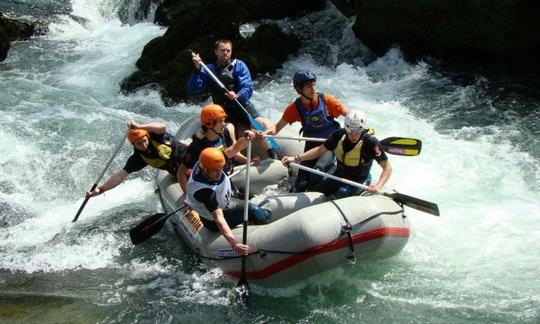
<point>354,130</point>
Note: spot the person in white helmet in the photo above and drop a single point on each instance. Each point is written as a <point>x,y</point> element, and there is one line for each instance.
<point>355,151</point>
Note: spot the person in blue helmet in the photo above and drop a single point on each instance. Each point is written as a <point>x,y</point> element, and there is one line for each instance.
<point>235,76</point>
<point>317,112</point>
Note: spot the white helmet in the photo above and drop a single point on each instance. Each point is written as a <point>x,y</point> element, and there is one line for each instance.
<point>354,121</point>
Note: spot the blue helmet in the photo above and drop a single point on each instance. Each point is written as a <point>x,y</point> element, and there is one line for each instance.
<point>303,76</point>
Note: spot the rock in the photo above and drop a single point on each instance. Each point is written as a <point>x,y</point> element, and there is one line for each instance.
<point>12,29</point>
<point>134,81</point>
<point>5,44</point>
<point>470,30</point>
<point>198,24</point>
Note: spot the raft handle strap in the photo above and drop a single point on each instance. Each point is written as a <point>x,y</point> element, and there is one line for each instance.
<point>346,229</point>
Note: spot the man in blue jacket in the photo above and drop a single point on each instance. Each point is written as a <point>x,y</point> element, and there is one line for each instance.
<point>235,75</point>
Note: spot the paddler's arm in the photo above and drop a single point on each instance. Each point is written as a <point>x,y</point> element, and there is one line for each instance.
<point>385,175</point>
<point>113,181</point>
<point>225,230</point>
<point>276,128</point>
<point>241,144</point>
<point>152,127</point>
<point>312,154</point>
<point>182,176</point>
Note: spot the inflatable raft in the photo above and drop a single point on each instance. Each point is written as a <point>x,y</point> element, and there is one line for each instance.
<point>308,233</point>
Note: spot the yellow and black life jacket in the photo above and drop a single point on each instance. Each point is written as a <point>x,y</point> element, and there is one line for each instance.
<point>352,158</point>
<point>221,144</point>
<point>162,157</point>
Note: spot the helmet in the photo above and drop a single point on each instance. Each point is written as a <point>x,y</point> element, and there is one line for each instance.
<point>211,113</point>
<point>354,121</point>
<point>212,158</point>
<point>303,76</point>
<point>135,134</point>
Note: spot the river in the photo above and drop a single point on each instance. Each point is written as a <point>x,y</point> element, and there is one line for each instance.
<point>62,115</point>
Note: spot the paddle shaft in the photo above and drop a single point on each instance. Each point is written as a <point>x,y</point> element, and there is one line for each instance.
<point>162,219</point>
<point>299,138</point>
<point>252,120</point>
<point>324,174</point>
<point>118,147</point>
<point>410,201</point>
<point>389,145</point>
<point>242,280</point>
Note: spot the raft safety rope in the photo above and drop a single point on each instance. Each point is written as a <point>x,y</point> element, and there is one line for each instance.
<point>346,229</point>
<point>263,252</point>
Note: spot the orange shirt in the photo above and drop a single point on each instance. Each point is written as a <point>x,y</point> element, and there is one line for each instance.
<point>333,107</point>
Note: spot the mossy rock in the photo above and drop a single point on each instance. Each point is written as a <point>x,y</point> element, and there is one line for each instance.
<point>197,25</point>
<point>472,29</point>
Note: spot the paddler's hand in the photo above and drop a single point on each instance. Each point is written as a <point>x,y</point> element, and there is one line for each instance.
<point>242,249</point>
<point>259,136</point>
<point>249,135</point>
<point>256,160</point>
<point>196,60</point>
<point>373,188</point>
<point>131,124</point>
<point>231,95</point>
<point>288,159</point>
<point>95,192</point>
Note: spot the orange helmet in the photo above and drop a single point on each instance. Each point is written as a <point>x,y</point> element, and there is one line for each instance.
<point>211,113</point>
<point>212,158</point>
<point>135,134</point>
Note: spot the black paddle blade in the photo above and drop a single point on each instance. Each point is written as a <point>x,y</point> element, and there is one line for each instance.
<point>148,228</point>
<point>402,146</point>
<point>242,292</point>
<point>416,203</point>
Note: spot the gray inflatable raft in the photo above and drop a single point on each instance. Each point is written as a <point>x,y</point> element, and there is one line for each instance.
<point>308,233</point>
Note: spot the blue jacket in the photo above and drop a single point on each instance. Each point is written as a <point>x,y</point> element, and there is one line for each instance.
<point>201,81</point>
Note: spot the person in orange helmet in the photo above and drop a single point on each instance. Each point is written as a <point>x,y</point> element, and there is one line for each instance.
<point>215,132</point>
<point>209,193</point>
<point>152,145</point>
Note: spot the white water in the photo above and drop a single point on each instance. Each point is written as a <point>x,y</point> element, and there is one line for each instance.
<point>62,116</point>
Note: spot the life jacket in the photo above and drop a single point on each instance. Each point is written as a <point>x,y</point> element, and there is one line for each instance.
<point>164,155</point>
<point>222,143</point>
<point>226,76</point>
<point>316,122</point>
<point>222,188</point>
<point>353,157</point>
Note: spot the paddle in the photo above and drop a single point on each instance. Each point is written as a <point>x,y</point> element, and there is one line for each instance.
<point>150,226</point>
<point>153,224</point>
<point>413,202</point>
<point>393,145</point>
<point>242,287</point>
<point>252,120</point>
<point>402,146</point>
<point>118,147</point>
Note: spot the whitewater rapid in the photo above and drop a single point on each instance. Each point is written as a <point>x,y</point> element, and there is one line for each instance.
<point>62,115</point>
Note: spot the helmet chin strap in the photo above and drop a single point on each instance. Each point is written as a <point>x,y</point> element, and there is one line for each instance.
<point>213,131</point>
<point>303,95</point>
<point>308,98</point>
